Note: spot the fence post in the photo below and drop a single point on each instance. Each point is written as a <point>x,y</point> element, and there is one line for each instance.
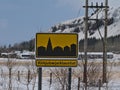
<point>78,83</point>
<point>99,83</point>
<point>28,76</point>
<point>18,75</point>
<point>50,81</point>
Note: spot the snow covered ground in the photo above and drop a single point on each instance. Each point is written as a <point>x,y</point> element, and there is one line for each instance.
<point>21,68</point>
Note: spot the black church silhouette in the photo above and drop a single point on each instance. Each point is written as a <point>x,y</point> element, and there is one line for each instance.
<point>56,51</point>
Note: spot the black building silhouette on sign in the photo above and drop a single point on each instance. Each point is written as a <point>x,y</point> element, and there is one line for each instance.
<point>49,50</point>
<point>56,51</point>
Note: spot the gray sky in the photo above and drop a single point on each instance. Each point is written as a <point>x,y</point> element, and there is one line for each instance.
<point>21,19</point>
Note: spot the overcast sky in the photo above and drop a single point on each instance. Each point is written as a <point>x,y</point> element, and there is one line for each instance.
<point>21,19</point>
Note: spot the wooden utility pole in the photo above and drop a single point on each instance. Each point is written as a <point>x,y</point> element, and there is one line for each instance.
<point>105,44</point>
<point>85,44</point>
<point>97,7</point>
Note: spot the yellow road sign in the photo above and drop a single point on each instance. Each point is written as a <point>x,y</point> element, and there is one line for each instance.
<point>56,45</point>
<point>56,63</point>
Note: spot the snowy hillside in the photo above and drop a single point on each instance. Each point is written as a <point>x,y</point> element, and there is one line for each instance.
<point>77,25</point>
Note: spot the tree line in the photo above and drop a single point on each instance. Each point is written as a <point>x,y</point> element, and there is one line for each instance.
<point>25,45</point>
<point>113,44</point>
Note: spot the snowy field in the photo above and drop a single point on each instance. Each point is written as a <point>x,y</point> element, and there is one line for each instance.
<point>21,74</point>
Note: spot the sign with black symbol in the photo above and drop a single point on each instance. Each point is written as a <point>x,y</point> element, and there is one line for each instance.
<point>56,45</point>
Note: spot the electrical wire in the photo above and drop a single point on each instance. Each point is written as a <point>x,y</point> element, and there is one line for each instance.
<point>98,27</point>
<point>79,11</point>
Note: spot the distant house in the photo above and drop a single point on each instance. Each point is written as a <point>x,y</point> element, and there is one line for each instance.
<point>26,55</point>
<point>95,55</point>
<point>19,54</point>
<point>8,55</point>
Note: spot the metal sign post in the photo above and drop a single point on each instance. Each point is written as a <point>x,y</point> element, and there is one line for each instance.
<point>40,78</point>
<point>69,78</point>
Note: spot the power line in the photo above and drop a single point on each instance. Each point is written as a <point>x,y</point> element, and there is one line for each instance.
<point>79,11</point>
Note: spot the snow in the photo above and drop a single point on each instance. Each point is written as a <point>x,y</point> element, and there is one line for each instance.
<point>114,81</point>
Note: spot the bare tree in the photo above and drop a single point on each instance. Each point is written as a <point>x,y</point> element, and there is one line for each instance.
<point>29,74</point>
<point>33,73</point>
<point>60,78</point>
<point>11,63</point>
<point>94,73</point>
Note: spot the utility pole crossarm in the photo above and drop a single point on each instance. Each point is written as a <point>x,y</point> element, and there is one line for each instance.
<point>96,6</point>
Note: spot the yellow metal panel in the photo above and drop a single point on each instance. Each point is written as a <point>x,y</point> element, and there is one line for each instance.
<point>56,63</point>
<point>56,40</point>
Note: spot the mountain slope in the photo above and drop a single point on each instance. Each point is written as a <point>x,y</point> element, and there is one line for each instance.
<point>77,25</point>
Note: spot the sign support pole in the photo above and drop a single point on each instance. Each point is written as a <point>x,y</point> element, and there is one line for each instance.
<point>40,78</point>
<point>69,78</point>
